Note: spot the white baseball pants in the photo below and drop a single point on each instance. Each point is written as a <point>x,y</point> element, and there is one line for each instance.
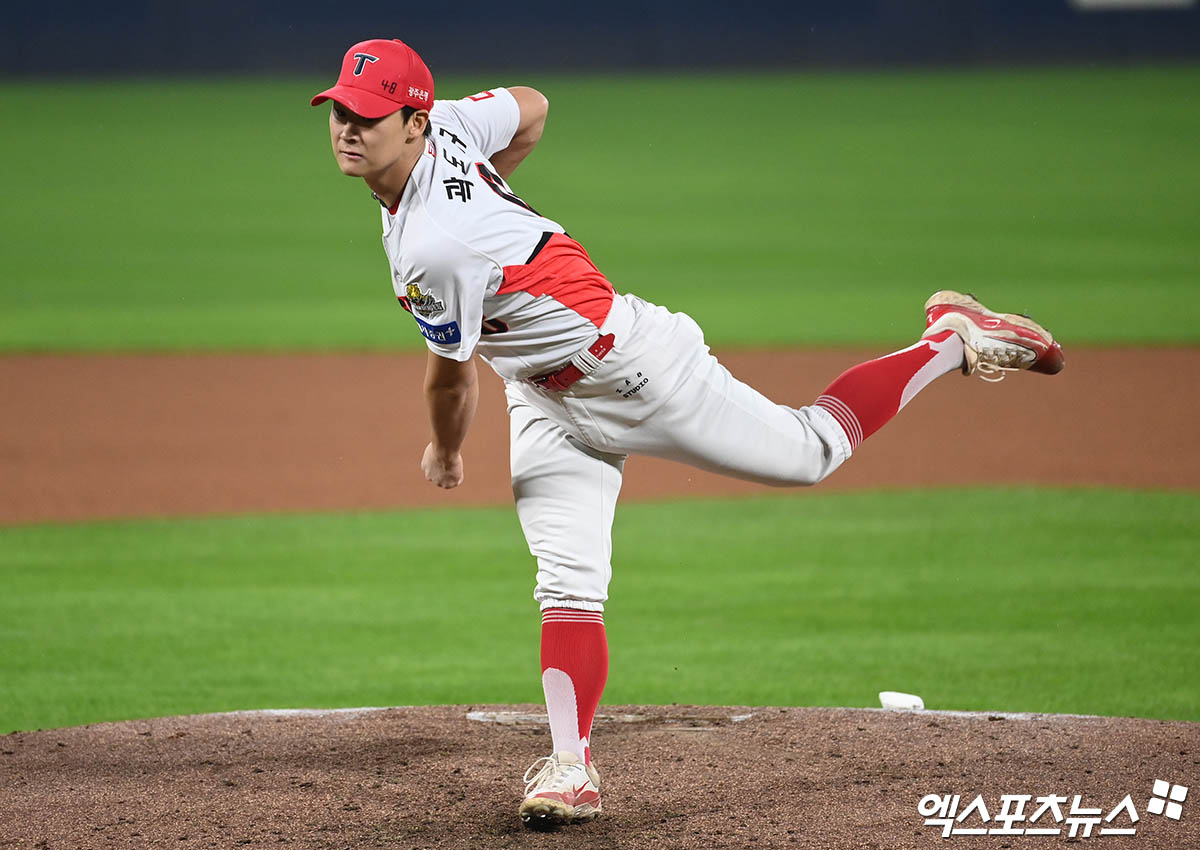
<point>659,392</point>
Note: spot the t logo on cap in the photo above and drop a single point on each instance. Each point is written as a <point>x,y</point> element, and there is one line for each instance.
<point>380,76</point>
<point>363,59</point>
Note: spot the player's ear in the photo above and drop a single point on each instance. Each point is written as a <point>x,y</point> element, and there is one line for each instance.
<point>417,123</point>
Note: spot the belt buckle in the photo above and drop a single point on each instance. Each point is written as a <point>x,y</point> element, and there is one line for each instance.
<point>549,381</point>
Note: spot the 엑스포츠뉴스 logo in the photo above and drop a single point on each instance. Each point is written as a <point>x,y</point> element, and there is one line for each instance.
<point>1048,814</point>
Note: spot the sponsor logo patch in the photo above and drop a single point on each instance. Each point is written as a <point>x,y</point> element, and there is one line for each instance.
<point>424,303</point>
<point>447,334</point>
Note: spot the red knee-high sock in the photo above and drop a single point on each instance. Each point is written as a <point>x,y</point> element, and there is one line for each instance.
<point>574,670</point>
<point>864,398</point>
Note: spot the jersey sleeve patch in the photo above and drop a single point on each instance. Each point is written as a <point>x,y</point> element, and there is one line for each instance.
<point>447,334</point>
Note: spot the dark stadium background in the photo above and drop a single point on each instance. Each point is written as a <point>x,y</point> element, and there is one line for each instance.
<point>223,35</point>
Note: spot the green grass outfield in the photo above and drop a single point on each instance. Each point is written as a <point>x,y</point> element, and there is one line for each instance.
<point>1013,599</point>
<point>776,208</point>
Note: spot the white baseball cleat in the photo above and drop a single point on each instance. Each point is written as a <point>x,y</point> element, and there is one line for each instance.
<point>993,343</point>
<point>560,789</point>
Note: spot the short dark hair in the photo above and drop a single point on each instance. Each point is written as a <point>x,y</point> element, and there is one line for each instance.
<point>407,112</point>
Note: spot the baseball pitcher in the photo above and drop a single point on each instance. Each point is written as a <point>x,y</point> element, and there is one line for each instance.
<point>591,375</point>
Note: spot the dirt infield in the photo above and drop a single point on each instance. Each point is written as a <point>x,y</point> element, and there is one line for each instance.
<point>674,777</point>
<point>117,436</point>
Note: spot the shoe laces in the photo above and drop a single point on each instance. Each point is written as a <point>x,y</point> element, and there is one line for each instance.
<point>991,372</point>
<point>543,771</point>
<point>548,771</point>
<point>995,361</point>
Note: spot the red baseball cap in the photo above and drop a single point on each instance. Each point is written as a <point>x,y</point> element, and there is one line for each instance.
<point>378,77</point>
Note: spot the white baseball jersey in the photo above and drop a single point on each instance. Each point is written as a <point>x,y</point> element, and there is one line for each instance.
<point>482,271</point>
<point>478,268</point>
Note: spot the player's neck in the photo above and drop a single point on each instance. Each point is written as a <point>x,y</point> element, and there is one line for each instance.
<point>388,185</point>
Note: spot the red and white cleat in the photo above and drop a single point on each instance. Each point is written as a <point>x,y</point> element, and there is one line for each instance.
<point>560,789</point>
<point>993,343</point>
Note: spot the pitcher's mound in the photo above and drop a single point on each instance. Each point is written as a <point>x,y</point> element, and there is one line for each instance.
<point>674,777</point>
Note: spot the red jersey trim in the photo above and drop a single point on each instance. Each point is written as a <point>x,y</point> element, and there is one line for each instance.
<point>565,272</point>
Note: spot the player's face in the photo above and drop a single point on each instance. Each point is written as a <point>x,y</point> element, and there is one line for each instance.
<point>365,146</point>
